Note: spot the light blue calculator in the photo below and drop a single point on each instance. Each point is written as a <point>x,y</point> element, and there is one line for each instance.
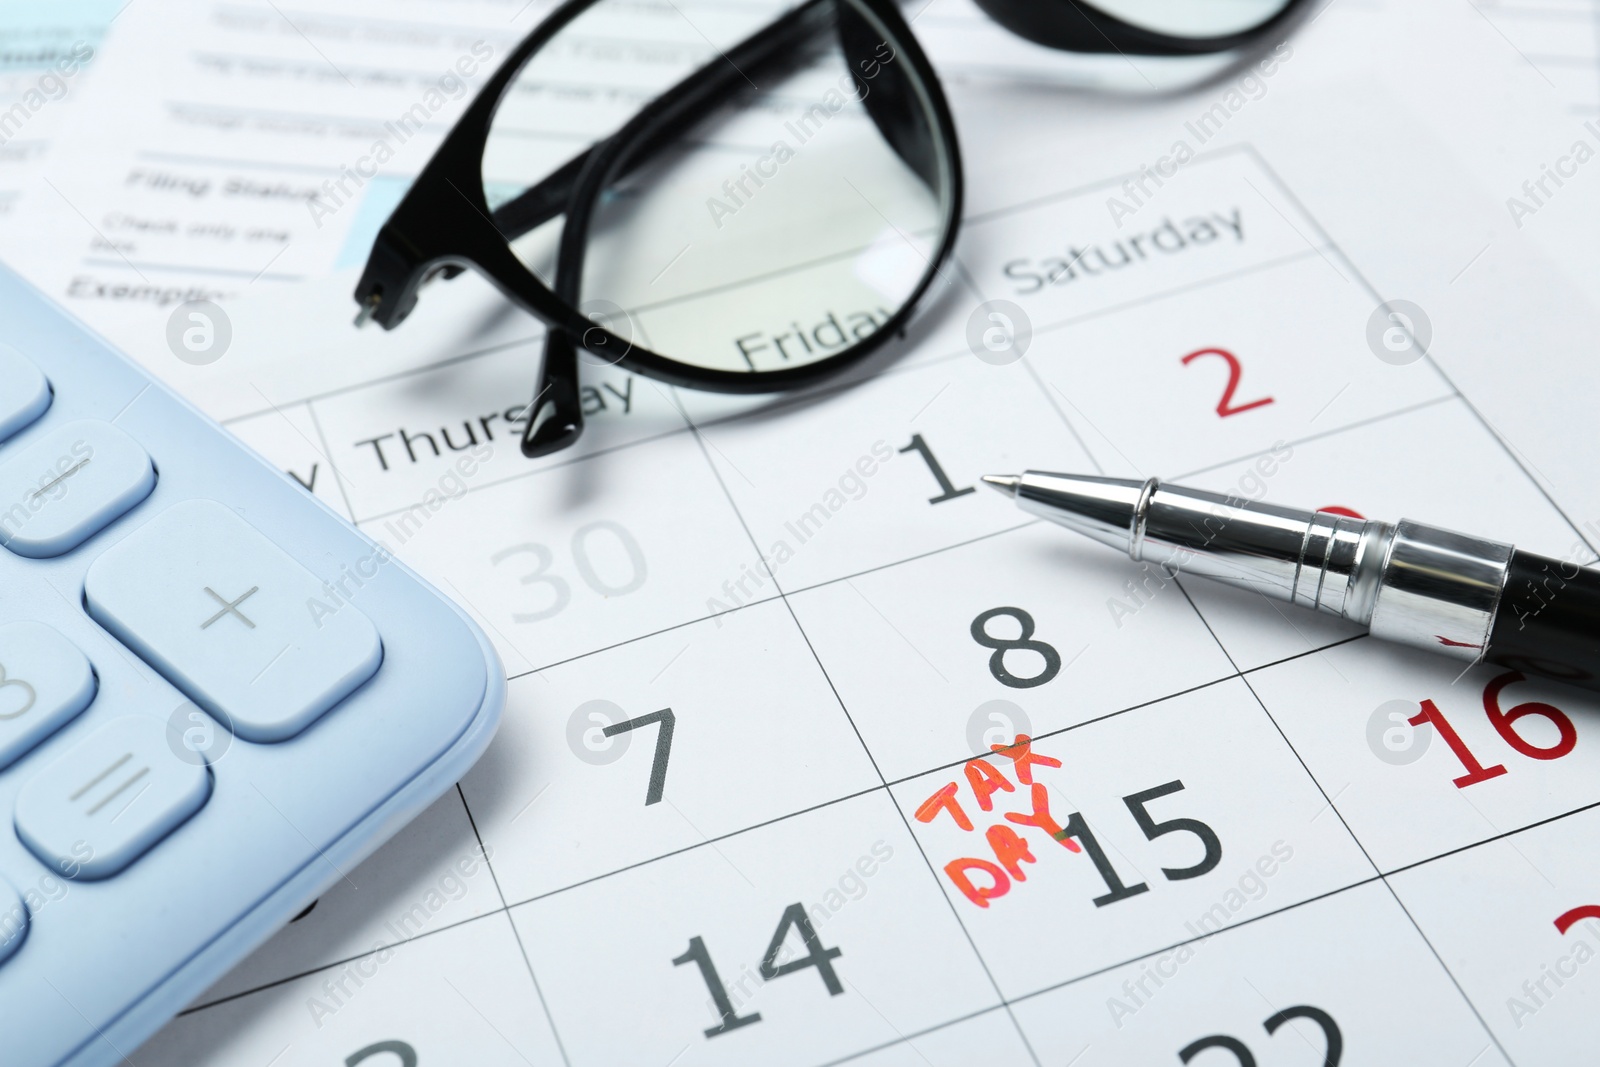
<point>215,695</point>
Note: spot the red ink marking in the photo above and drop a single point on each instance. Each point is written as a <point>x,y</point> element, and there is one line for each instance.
<point>979,895</point>
<point>1567,919</point>
<point>1042,819</point>
<point>1024,758</point>
<point>985,779</point>
<point>1346,512</point>
<point>1226,406</point>
<point>944,800</point>
<point>1455,644</point>
<point>1010,849</point>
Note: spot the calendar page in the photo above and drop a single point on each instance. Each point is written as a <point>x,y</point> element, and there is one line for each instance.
<point>816,751</point>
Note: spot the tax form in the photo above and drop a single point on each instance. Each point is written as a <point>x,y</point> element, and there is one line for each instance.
<point>44,47</point>
<point>815,751</point>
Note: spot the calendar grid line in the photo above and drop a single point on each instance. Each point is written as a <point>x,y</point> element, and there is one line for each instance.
<point>1371,420</point>
<point>844,382</point>
<point>1333,806</point>
<point>798,590</point>
<point>851,380</point>
<point>873,759</point>
<point>1445,967</point>
<point>1280,731</point>
<point>1048,734</point>
<point>906,1039</point>
<point>1499,836</point>
<point>1373,293</point>
<point>1381,875</point>
<point>785,596</point>
<point>1033,373</point>
<point>1108,968</point>
<point>770,599</point>
<point>706,842</point>
<point>832,388</point>
<point>1039,383</point>
<point>560,464</point>
<point>1361,279</point>
<point>544,1005</point>
<point>385,379</point>
<point>343,961</point>
<point>890,784</point>
<point>997,1006</point>
<point>338,475</point>
<point>806,396</point>
<point>1113,182</point>
<point>1201,938</point>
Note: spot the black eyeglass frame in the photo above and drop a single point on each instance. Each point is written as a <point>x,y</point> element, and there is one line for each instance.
<point>444,223</point>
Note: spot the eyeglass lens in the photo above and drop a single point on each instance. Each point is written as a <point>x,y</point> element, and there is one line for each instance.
<point>784,211</point>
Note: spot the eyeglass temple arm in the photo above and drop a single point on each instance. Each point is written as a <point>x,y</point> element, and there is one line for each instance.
<point>555,415</point>
<point>773,49</point>
<point>1073,26</point>
<point>1076,26</point>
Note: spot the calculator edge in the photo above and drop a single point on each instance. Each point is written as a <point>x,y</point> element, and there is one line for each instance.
<point>163,1001</point>
<point>178,990</point>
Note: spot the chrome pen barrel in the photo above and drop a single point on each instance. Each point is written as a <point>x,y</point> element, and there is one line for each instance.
<point>1406,581</point>
<point>1314,559</point>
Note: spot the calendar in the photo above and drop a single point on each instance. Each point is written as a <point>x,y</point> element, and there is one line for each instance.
<point>817,751</point>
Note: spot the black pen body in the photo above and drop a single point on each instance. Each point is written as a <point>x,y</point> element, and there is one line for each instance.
<point>1548,620</point>
<point>1472,599</point>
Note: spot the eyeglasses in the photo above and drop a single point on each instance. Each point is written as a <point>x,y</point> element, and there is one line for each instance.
<point>746,207</point>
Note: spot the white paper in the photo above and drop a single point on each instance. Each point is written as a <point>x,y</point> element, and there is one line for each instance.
<point>779,579</point>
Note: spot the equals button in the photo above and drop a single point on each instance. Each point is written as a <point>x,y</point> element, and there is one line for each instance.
<point>110,799</point>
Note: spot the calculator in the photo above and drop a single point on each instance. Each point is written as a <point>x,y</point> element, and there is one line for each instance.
<point>216,696</point>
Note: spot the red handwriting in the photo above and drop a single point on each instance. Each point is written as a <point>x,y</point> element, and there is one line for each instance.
<point>980,879</point>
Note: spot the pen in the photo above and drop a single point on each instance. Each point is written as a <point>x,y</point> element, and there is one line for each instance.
<point>1452,593</point>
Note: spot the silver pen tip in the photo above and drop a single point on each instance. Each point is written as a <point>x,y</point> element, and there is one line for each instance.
<point>1005,483</point>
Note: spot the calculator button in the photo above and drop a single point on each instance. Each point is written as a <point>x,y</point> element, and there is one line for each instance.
<point>68,485</point>
<point>24,392</point>
<point>102,804</point>
<point>13,920</point>
<point>44,682</point>
<point>232,620</point>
